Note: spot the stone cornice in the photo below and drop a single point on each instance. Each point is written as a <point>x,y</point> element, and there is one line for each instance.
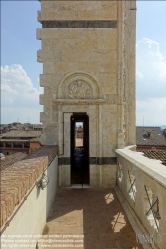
<point>79,101</point>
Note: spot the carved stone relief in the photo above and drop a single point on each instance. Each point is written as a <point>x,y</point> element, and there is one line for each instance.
<point>79,86</point>
<point>79,89</point>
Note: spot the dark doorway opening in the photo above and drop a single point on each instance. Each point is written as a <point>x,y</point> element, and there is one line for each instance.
<point>79,148</point>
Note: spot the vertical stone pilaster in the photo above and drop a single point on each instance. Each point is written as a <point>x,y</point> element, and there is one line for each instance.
<point>100,132</point>
<point>60,129</point>
<point>126,73</point>
<point>120,87</point>
<point>97,130</point>
<point>132,73</point>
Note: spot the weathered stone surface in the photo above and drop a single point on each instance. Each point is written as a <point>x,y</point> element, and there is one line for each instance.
<point>78,10</point>
<point>108,175</point>
<point>64,175</point>
<point>150,176</point>
<point>88,51</point>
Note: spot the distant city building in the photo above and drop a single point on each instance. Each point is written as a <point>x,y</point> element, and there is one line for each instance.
<point>37,127</point>
<point>19,141</point>
<point>150,137</point>
<point>151,141</point>
<point>18,126</point>
<point>79,132</point>
<point>6,161</point>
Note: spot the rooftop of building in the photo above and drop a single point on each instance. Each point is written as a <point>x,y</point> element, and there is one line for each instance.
<point>6,161</point>
<point>151,136</point>
<point>21,133</point>
<point>155,154</point>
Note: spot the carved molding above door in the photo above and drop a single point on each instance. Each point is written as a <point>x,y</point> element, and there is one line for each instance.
<point>79,85</point>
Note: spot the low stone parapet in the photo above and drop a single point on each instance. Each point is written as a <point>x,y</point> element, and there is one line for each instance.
<point>141,188</point>
<point>18,185</point>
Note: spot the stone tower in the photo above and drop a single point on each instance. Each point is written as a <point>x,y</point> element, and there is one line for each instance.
<point>88,56</point>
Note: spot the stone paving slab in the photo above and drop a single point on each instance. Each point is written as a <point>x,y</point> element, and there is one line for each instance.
<point>95,215</point>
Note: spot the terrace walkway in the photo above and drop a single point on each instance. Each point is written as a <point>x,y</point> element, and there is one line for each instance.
<point>95,215</point>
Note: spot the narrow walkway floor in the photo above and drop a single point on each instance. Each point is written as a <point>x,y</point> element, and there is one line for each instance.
<point>90,218</point>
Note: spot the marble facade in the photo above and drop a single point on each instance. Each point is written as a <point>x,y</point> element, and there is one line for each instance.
<point>88,56</point>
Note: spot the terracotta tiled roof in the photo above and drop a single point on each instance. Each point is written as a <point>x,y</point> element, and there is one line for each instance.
<point>20,177</point>
<point>155,154</point>
<point>21,133</point>
<point>9,160</point>
<point>150,136</point>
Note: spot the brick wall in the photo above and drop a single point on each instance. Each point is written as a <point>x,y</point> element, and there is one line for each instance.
<point>18,181</point>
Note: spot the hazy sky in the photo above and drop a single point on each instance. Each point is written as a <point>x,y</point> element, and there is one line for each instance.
<point>20,70</point>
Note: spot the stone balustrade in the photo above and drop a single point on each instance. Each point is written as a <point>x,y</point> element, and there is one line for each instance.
<point>141,188</point>
<point>22,202</point>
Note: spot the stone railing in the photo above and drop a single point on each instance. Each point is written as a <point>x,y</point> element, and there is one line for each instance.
<point>141,188</point>
<point>24,205</point>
